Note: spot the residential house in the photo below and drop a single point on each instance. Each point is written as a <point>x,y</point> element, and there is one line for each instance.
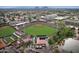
<point>27,38</point>
<point>2,43</point>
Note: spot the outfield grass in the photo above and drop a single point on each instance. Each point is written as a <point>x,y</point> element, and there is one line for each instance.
<point>6,31</point>
<point>39,30</point>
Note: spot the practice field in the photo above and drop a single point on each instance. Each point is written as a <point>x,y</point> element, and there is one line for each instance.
<point>39,30</point>
<point>6,31</point>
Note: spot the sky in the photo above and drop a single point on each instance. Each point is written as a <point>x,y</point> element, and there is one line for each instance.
<point>31,3</point>
<point>39,2</point>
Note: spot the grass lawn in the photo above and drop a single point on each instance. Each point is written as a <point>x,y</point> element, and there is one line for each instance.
<point>6,31</point>
<point>39,30</point>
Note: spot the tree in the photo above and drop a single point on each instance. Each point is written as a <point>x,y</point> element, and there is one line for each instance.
<point>27,44</point>
<point>60,24</point>
<point>51,41</point>
<point>61,34</point>
<point>30,18</point>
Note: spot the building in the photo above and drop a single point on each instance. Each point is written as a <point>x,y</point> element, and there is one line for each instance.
<point>50,17</point>
<point>41,41</point>
<point>71,45</point>
<point>72,22</point>
<point>42,19</point>
<point>18,34</point>
<point>2,43</point>
<point>27,38</point>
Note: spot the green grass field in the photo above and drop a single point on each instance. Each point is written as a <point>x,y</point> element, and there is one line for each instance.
<point>6,31</point>
<point>39,30</point>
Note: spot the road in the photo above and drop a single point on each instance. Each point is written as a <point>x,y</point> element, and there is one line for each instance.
<point>34,50</point>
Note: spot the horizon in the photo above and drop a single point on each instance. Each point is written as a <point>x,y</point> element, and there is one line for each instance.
<point>69,7</point>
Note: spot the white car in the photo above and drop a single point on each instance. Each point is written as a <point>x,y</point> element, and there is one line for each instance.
<point>38,47</point>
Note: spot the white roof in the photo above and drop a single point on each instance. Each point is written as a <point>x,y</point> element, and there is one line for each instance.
<point>71,45</point>
<point>59,18</point>
<point>21,23</point>
<point>42,16</point>
<point>16,35</point>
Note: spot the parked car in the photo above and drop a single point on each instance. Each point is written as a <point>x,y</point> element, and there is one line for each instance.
<point>38,47</point>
